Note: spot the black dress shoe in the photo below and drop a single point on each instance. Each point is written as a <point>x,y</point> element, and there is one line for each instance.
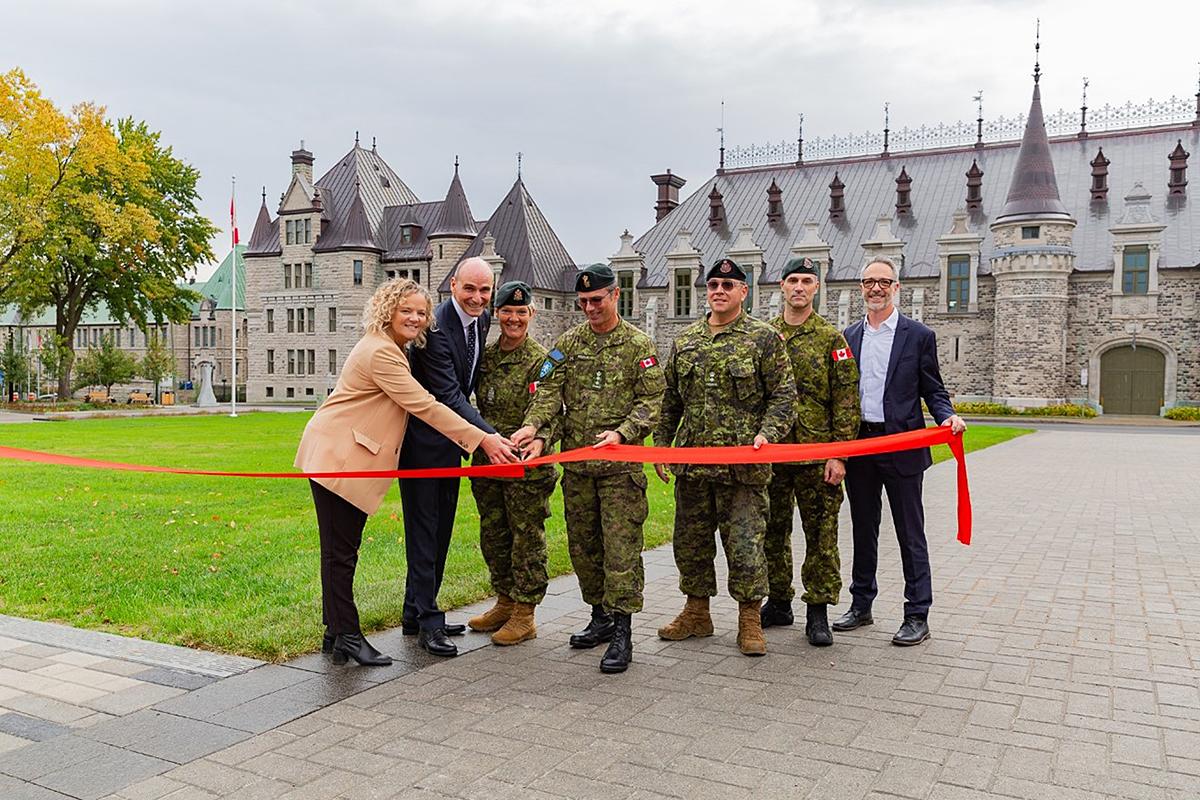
<point>413,628</point>
<point>599,629</point>
<point>327,641</point>
<point>777,612</point>
<point>914,631</point>
<point>853,619</point>
<point>356,646</point>
<point>435,643</point>
<point>817,626</point>
<point>620,649</point>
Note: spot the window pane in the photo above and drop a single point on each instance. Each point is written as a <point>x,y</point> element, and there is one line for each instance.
<point>291,231</point>
<point>1030,231</point>
<point>287,276</point>
<point>358,270</point>
<point>307,231</point>
<point>270,362</point>
<point>312,320</point>
<point>625,300</point>
<point>333,362</point>
<point>308,275</point>
<point>333,320</point>
<point>1135,278</point>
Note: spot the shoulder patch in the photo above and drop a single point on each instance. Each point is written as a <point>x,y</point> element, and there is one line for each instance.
<point>556,356</point>
<point>547,367</point>
<point>647,363</point>
<point>842,354</point>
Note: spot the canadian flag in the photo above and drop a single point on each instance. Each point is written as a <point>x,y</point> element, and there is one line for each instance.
<point>842,353</point>
<point>233,221</point>
<point>647,363</point>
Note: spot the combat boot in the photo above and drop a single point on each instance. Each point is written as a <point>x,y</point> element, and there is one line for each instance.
<point>694,620</point>
<point>817,627</point>
<point>520,627</point>
<point>599,629</point>
<point>750,637</point>
<point>494,618</point>
<point>777,612</point>
<point>620,649</point>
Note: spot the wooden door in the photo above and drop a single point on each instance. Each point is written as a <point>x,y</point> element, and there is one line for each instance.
<point>1132,380</point>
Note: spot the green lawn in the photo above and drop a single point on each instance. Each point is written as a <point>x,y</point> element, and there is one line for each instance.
<point>223,564</point>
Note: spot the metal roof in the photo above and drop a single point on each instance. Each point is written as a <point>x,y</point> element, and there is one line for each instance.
<point>378,186</point>
<point>264,241</point>
<point>353,232</point>
<point>1034,189</point>
<point>939,188</point>
<point>219,286</point>
<point>420,217</point>
<point>455,217</point>
<point>531,250</point>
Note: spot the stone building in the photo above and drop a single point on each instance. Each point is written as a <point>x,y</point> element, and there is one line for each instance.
<point>1053,269</point>
<point>311,268</point>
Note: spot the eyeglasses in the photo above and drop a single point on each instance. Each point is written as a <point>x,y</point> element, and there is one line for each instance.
<point>882,283</point>
<point>725,286</point>
<point>584,302</point>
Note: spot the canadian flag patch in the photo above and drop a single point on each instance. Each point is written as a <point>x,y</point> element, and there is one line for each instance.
<point>533,387</point>
<point>842,353</point>
<point>647,363</point>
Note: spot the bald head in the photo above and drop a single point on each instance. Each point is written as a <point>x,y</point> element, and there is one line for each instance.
<point>472,284</point>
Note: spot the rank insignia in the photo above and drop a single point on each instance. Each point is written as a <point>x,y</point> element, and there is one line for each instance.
<point>842,354</point>
<point>598,380</point>
<point>647,363</point>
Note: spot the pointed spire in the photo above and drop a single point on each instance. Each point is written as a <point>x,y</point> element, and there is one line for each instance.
<point>1034,188</point>
<point>355,233</point>
<point>454,218</point>
<point>1037,52</point>
<point>265,237</point>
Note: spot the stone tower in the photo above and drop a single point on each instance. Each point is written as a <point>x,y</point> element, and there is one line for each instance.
<point>1032,262</point>
<point>451,234</point>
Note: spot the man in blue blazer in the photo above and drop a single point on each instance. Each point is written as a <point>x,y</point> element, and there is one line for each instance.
<point>898,368</point>
<point>448,366</point>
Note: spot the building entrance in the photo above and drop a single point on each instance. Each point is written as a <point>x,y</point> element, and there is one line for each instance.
<point>1132,380</point>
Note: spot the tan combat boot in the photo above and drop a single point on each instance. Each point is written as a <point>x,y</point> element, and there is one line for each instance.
<point>694,620</point>
<point>519,628</point>
<point>495,617</point>
<point>750,634</point>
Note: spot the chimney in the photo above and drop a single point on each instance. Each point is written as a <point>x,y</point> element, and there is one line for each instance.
<point>837,199</point>
<point>774,203</point>
<point>1178,179</point>
<point>302,163</point>
<point>1100,176</point>
<point>716,208</point>
<point>974,187</point>
<point>668,193</point>
<point>903,193</point>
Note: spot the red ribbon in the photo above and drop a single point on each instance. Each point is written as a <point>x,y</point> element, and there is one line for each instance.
<point>746,454</point>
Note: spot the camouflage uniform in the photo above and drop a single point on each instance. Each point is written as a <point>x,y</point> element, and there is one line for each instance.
<point>722,390</point>
<point>827,410</point>
<point>513,511</point>
<point>596,383</point>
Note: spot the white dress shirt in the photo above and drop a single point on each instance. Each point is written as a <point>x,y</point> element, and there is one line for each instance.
<point>467,321</point>
<point>873,365</point>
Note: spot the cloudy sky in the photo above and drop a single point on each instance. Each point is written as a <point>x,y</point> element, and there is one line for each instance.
<point>597,95</point>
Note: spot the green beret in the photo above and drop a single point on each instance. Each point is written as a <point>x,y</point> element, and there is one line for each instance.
<point>725,268</point>
<point>514,293</point>
<point>594,276</point>
<point>800,266</point>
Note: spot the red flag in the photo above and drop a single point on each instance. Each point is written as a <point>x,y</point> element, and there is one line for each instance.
<point>233,221</point>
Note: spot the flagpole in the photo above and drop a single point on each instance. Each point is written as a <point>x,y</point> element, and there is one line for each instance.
<point>233,303</point>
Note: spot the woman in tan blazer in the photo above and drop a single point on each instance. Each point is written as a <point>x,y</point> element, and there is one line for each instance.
<point>360,427</point>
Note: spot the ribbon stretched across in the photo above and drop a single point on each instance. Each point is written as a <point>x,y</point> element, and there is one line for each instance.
<point>767,454</point>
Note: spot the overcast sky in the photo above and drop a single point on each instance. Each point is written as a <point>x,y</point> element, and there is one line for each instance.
<point>598,96</point>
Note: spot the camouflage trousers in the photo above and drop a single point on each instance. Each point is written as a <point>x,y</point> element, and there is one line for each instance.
<point>819,503</point>
<point>512,533</point>
<point>604,516</point>
<point>740,512</point>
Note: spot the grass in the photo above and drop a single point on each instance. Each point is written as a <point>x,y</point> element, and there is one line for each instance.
<point>223,564</point>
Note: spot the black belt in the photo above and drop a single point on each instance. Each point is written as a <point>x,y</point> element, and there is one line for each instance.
<point>873,428</point>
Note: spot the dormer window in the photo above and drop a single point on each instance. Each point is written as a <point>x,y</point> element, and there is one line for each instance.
<point>1031,231</point>
<point>406,234</point>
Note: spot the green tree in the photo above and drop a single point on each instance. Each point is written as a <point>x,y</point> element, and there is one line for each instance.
<point>157,363</point>
<point>121,227</point>
<point>55,356</point>
<point>14,365</point>
<point>105,365</point>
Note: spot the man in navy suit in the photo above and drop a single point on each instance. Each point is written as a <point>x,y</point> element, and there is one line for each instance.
<point>448,366</point>
<point>898,367</point>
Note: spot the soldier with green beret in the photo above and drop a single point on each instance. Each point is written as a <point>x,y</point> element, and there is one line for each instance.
<point>827,410</point>
<point>728,384</point>
<point>513,511</point>
<point>601,384</point>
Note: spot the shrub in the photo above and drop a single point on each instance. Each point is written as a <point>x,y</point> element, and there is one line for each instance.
<point>992,409</point>
<point>1061,410</point>
<point>1191,413</point>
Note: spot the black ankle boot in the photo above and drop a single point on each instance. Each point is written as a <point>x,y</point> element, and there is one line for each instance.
<point>817,628</point>
<point>327,641</point>
<point>620,649</point>
<point>599,629</point>
<point>356,646</point>
<point>776,612</point>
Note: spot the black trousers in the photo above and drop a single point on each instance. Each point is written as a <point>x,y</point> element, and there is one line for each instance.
<point>429,506</point>
<point>341,525</point>
<point>866,478</point>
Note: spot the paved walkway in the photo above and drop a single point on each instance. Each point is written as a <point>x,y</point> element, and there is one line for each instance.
<point>1065,663</point>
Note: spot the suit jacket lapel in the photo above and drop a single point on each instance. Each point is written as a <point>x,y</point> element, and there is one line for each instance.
<point>854,338</point>
<point>450,323</point>
<point>897,348</point>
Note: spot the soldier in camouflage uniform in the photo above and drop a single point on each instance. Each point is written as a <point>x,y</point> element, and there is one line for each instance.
<point>728,383</point>
<point>513,511</point>
<point>604,380</point>
<point>827,411</point>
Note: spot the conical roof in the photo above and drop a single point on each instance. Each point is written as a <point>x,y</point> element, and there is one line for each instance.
<point>355,231</point>
<point>455,218</point>
<point>264,241</point>
<point>1034,189</point>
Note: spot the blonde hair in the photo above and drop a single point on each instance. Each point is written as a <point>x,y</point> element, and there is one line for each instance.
<point>377,315</point>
